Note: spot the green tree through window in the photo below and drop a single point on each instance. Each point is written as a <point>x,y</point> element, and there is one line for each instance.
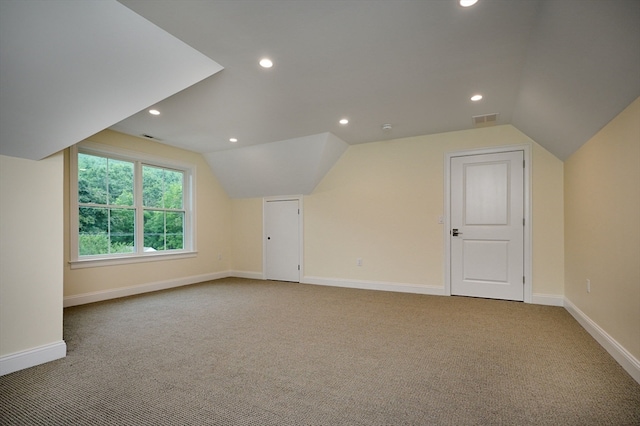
<point>105,204</point>
<point>114,219</point>
<point>163,208</point>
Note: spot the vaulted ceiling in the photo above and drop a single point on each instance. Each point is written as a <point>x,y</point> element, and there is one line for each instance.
<point>558,70</point>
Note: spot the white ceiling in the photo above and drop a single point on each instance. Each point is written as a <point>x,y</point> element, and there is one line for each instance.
<point>558,70</point>
<point>294,166</point>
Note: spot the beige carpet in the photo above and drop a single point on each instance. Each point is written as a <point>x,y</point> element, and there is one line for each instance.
<point>243,352</point>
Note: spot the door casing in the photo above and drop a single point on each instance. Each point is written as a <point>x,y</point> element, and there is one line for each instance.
<point>526,148</point>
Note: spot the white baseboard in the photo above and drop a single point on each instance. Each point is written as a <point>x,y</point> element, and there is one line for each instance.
<point>246,274</point>
<point>615,349</point>
<point>375,285</point>
<point>32,357</point>
<point>98,296</point>
<point>547,299</point>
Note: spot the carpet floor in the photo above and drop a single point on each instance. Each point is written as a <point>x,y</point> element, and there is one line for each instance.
<point>248,352</point>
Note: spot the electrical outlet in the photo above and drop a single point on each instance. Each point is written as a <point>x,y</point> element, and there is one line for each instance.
<point>588,286</point>
<point>359,261</point>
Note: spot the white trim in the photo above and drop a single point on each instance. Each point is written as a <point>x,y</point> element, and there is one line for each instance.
<point>630,363</point>
<point>298,198</point>
<point>376,285</point>
<point>32,357</point>
<point>129,154</point>
<point>528,247</point>
<point>247,274</point>
<point>98,296</point>
<point>548,299</point>
<point>123,260</point>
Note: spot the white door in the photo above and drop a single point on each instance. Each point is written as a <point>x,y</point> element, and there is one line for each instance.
<point>282,235</point>
<point>487,225</point>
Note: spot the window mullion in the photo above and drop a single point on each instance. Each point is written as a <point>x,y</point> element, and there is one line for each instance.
<point>138,203</point>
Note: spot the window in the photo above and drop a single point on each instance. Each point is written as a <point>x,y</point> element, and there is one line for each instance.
<point>128,206</point>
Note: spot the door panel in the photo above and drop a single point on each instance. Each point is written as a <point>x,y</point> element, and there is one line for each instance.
<point>486,261</point>
<point>486,194</point>
<point>282,233</point>
<point>487,210</point>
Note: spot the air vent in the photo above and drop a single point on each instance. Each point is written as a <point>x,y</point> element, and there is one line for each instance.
<point>485,120</point>
<point>146,136</point>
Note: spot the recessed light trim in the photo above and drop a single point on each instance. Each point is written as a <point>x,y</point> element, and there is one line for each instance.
<point>233,140</point>
<point>154,112</point>
<point>476,98</point>
<point>344,121</point>
<point>467,3</point>
<point>266,63</point>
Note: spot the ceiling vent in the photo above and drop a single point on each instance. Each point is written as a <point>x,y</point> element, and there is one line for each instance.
<point>485,120</point>
<point>146,136</point>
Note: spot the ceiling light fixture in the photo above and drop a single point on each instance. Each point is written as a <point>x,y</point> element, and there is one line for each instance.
<point>234,140</point>
<point>467,3</point>
<point>266,63</point>
<point>476,98</point>
<point>386,127</point>
<point>344,121</point>
<point>154,112</point>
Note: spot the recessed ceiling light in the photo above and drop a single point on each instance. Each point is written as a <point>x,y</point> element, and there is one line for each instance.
<point>344,121</point>
<point>266,63</point>
<point>234,140</point>
<point>154,112</point>
<point>386,127</point>
<point>476,98</point>
<point>467,3</point>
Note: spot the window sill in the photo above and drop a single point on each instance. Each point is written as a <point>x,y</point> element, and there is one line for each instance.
<point>125,260</point>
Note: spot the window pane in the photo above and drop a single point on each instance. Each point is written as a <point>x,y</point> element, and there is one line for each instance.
<point>163,230</point>
<point>173,189</point>
<point>122,231</point>
<point>92,179</point>
<point>175,230</point>
<point>104,231</point>
<point>93,233</point>
<point>162,188</point>
<point>154,230</point>
<point>120,183</point>
<point>152,186</point>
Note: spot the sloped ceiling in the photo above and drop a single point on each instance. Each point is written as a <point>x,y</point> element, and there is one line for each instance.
<point>582,69</point>
<point>69,69</point>
<point>558,70</point>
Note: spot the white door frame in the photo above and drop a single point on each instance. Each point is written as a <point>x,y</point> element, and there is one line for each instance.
<point>265,200</point>
<point>526,148</point>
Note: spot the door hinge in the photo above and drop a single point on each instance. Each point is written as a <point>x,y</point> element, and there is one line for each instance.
<point>523,279</point>
<point>298,267</point>
<point>298,211</point>
<point>523,164</point>
<point>523,222</point>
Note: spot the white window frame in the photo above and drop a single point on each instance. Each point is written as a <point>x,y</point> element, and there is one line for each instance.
<point>139,159</point>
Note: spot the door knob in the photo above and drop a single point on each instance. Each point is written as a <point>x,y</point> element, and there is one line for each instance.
<point>455,232</point>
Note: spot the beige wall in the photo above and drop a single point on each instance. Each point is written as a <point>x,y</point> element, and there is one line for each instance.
<point>213,239</point>
<point>30,253</point>
<point>381,203</point>
<point>602,228</point>
<point>246,228</point>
